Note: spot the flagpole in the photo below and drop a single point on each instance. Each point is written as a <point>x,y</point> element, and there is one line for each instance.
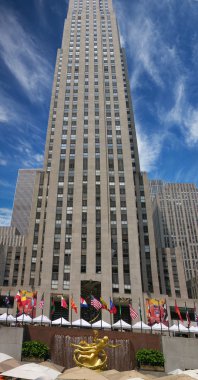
<point>120,311</point>
<point>187,319</point>
<point>7,316</point>
<point>168,318</point>
<point>32,312</point>
<point>150,315</point>
<point>195,314</point>
<point>7,303</point>
<point>140,314</point>
<point>16,314</point>
<point>110,313</point>
<point>130,316</point>
<point>23,316</point>
<point>71,310</point>
<point>42,310</point>
<point>160,316</point>
<point>61,314</point>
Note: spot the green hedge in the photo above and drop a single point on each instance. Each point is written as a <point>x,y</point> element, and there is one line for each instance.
<point>150,357</point>
<point>35,349</point>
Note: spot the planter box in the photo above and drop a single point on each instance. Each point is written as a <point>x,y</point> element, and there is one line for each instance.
<point>147,367</point>
<point>32,360</point>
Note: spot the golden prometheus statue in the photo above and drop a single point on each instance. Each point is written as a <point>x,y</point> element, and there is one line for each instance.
<point>92,355</point>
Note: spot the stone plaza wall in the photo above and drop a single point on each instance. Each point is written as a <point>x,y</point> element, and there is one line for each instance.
<point>180,353</point>
<point>11,339</point>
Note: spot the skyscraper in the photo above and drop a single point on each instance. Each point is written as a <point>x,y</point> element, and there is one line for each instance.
<point>84,228</point>
<point>90,226</point>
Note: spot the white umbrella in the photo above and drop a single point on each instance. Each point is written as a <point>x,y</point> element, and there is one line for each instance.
<point>3,317</point>
<point>181,328</point>
<point>60,321</point>
<point>81,323</point>
<point>4,357</point>
<point>41,319</point>
<point>7,318</point>
<point>102,324</point>
<point>140,325</point>
<point>32,371</point>
<point>159,327</point>
<point>121,324</point>
<point>193,329</point>
<point>11,318</point>
<point>24,318</point>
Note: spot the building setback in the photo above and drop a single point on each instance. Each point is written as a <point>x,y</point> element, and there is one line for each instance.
<point>23,200</point>
<point>175,215</point>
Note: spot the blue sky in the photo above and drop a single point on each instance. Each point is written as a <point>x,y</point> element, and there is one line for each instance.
<point>161,40</point>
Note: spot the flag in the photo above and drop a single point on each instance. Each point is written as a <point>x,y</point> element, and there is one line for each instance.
<point>32,302</point>
<point>157,312</point>
<point>73,306</point>
<point>132,312</point>
<point>104,304</point>
<point>41,305</point>
<point>7,299</point>
<point>165,314</point>
<point>83,303</point>
<point>63,302</point>
<point>23,299</point>
<point>178,312</point>
<point>95,303</point>
<point>52,306</point>
<point>18,296</point>
<point>188,317</point>
<point>113,309</point>
<point>149,312</point>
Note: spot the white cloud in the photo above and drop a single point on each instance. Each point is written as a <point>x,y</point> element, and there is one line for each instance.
<point>38,158</point>
<point>3,162</point>
<point>5,216</point>
<point>146,47</point>
<point>4,183</point>
<point>11,111</point>
<point>183,114</point>
<point>21,55</point>
<point>149,147</point>
<point>4,114</point>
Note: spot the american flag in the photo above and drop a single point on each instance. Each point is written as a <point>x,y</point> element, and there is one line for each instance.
<point>133,313</point>
<point>95,303</point>
<point>41,305</point>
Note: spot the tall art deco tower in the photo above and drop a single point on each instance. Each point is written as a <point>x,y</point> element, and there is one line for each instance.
<point>88,229</point>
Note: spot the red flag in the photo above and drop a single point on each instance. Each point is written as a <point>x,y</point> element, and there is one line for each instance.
<point>178,312</point>
<point>18,298</point>
<point>73,306</point>
<point>113,309</point>
<point>63,302</point>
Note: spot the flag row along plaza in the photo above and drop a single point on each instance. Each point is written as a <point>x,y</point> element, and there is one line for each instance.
<point>97,312</point>
<point>88,229</point>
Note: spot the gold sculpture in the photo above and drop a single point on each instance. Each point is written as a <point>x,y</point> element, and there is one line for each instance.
<point>92,355</point>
